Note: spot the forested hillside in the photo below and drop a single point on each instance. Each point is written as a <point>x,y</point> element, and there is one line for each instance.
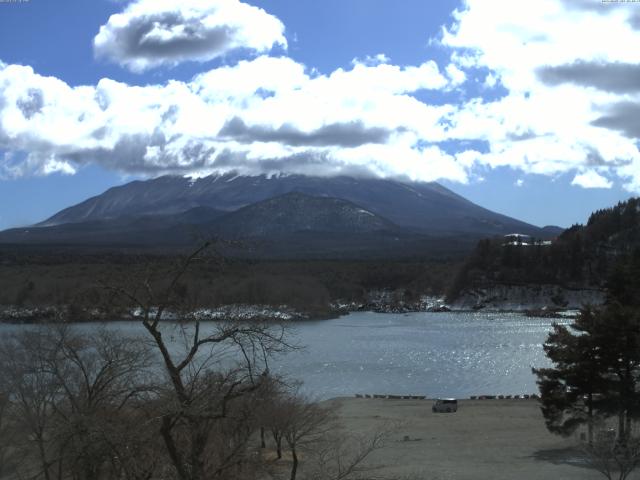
<point>32,280</point>
<point>583,256</point>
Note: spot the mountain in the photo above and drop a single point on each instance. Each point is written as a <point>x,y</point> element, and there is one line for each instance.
<point>285,216</point>
<point>552,231</point>
<point>127,230</point>
<point>296,212</point>
<point>293,226</point>
<point>423,207</point>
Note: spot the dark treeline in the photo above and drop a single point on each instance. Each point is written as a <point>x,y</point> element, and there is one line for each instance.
<point>582,256</point>
<point>28,280</point>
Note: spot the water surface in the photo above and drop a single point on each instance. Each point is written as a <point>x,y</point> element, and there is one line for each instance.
<point>437,354</point>
<point>434,354</point>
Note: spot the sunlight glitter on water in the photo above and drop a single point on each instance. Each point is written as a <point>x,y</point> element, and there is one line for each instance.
<point>434,354</point>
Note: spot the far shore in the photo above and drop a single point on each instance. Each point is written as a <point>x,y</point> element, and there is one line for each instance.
<point>11,314</point>
<point>485,439</point>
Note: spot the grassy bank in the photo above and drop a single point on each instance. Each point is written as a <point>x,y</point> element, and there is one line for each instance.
<point>496,439</point>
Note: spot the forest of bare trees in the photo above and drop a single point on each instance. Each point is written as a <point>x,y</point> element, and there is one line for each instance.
<point>183,400</point>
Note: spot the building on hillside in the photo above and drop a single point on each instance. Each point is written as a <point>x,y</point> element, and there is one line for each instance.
<point>523,240</point>
<point>519,239</point>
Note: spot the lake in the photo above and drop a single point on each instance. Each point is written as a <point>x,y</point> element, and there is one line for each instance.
<point>437,354</point>
<point>434,354</point>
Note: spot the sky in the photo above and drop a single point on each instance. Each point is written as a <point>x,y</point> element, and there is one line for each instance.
<point>530,108</point>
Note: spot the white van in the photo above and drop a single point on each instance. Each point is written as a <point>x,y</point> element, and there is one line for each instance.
<point>445,405</point>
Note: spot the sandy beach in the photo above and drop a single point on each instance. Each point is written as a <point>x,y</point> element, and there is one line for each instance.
<point>485,439</point>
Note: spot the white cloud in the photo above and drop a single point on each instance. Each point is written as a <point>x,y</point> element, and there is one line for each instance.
<point>371,60</point>
<point>457,76</point>
<point>550,123</point>
<point>490,81</point>
<point>270,74</point>
<point>263,115</point>
<point>591,179</point>
<point>561,111</point>
<point>153,33</point>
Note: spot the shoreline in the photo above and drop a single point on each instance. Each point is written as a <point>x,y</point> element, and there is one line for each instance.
<point>44,315</point>
<point>60,314</point>
<point>518,396</point>
<point>527,300</point>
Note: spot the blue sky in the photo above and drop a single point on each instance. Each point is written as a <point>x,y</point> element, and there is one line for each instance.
<point>527,110</point>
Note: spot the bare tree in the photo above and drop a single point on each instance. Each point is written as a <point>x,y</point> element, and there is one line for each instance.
<point>305,424</point>
<point>32,393</point>
<point>8,460</point>
<point>341,456</point>
<point>68,393</point>
<point>312,432</point>
<point>615,460</point>
<point>275,418</point>
<point>99,377</point>
<point>209,378</point>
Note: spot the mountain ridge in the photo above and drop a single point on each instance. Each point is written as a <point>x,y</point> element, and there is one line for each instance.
<point>286,215</point>
<point>289,213</point>
<point>425,206</point>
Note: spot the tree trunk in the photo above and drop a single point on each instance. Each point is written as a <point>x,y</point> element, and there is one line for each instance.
<point>294,466</point>
<point>262,442</point>
<point>590,424</point>
<point>198,446</point>
<point>621,425</point>
<point>278,439</point>
<point>172,449</point>
<point>43,458</point>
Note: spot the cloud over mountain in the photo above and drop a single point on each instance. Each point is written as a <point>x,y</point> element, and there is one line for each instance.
<point>352,134</point>
<point>547,87</point>
<point>240,117</point>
